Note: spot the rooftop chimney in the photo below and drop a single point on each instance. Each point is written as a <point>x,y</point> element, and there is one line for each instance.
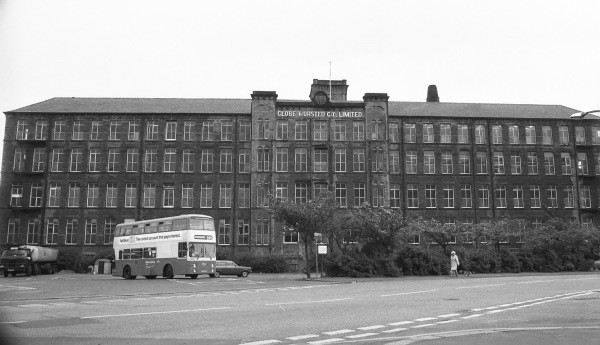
<point>338,88</point>
<point>432,95</point>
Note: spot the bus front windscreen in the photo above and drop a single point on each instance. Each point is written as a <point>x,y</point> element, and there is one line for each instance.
<point>201,224</point>
<point>199,250</point>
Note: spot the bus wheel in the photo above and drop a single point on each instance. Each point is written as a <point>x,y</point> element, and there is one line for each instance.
<point>150,277</point>
<point>168,272</point>
<point>36,269</point>
<point>193,276</point>
<point>127,273</point>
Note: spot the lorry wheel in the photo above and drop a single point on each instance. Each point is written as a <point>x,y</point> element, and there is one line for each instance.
<point>53,269</point>
<point>36,269</point>
<point>28,271</point>
<point>14,274</point>
<point>5,273</point>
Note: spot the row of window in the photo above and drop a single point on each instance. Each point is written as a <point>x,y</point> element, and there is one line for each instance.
<point>282,160</point>
<point>155,196</point>
<point>342,131</point>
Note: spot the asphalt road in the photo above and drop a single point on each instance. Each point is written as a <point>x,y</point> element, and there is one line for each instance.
<point>287,309</point>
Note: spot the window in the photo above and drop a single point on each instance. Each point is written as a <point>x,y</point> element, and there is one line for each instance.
<point>447,164</point>
<point>569,199</point>
<point>290,235</point>
<point>225,195</point>
<point>428,133</point>
<point>394,159</point>
<point>515,163</point>
<point>501,196</point>
<point>35,198</point>
<point>109,230</point>
<point>169,161</point>
<point>579,135</point>
<point>187,195</point>
<point>168,195</point>
<point>57,160</point>
<point>496,134</point>
<point>226,131</point>
<point>411,162</point>
<point>39,160</point>
<point>412,195</point>
<point>245,131</point>
<point>71,231</point>
<point>189,133</point>
<point>133,131</point>
<point>132,160</point>
<point>377,160</point>
<point>281,190</point>
<point>530,137</point>
<point>552,196</point>
<point>340,160</point>
<point>244,160</point>
<point>480,134</point>
<point>74,195</point>
<point>393,132</point>
<point>596,135</point>
<point>410,133</point>
<point>263,158</point>
<point>16,195</point>
<point>262,231</point>
<point>339,131</point>
<point>93,194</point>
<point>536,201</point>
<point>59,131</point>
<point>301,192</point>
<point>171,131</point>
<point>149,195</point>
<point>206,161</point>
<point>113,131</point>
<point>532,163</point>
<point>483,196</point>
<point>243,196</point>
<point>319,130</point>
<point>563,135</point>
<point>358,131</point>
<point>466,197</point>
<point>206,195</point>
<point>582,163</point>
<point>281,159</point>
<point>19,159</point>
<point>586,197</point>
<point>224,231</point>
<point>91,229</point>
<point>445,133</point>
<point>41,129</point>
<point>243,232</point>
<point>463,134</point>
<point>428,162</point>
<point>94,160</point>
<point>464,162</point>
<point>341,196</point>
<point>498,163</point>
<point>151,130</point>
<point>377,194</point>
<point>394,195</point>
<point>130,195</point>
<point>111,195</point>
<point>565,159</point>
<point>358,160</point>
<point>77,131</point>
<point>150,160</point>
<point>76,160</point>
<point>208,130</point>
<point>320,160</point>
<point>281,131</point>
<point>263,128</point>
<point>226,165</point>
<point>481,163</point>
<point>300,159</point>
<point>301,130</point>
<point>52,231</point>
<point>54,194</point>
<point>359,194</point>
<point>546,135</point>
<point>33,231</point>
<point>430,197</point>
<point>549,163</point>
<point>513,135</point>
<point>518,196</point>
<point>448,191</point>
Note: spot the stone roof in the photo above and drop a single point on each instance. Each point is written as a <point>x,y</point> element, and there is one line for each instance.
<point>60,105</point>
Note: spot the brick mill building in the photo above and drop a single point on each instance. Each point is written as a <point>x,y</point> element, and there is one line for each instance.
<point>73,168</point>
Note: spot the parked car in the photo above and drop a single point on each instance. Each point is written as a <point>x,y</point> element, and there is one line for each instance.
<point>224,267</point>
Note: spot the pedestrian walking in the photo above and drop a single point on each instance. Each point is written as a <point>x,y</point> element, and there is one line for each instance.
<point>454,264</point>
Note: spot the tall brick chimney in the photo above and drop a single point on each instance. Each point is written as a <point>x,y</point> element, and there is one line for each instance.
<point>339,89</point>
<point>432,94</point>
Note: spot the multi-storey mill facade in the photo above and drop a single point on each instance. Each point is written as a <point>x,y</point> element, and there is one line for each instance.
<point>73,168</point>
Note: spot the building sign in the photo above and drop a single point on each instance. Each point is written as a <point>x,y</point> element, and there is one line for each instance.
<point>352,113</point>
<point>151,238</point>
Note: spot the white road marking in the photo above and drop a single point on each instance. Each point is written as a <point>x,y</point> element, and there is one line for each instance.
<point>409,293</point>
<point>370,328</point>
<point>447,315</point>
<point>426,319</point>
<point>311,302</point>
<point>479,286</point>
<point>302,337</point>
<point>341,331</point>
<point>535,281</point>
<point>423,325</point>
<point>363,335</point>
<point>155,313</point>
<point>393,330</point>
<point>326,341</point>
<point>263,342</point>
<point>400,323</point>
<point>472,316</point>
<point>10,322</point>
<point>448,321</point>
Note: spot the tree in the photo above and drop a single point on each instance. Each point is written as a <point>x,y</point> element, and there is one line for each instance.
<point>380,229</point>
<point>499,230</point>
<point>307,218</point>
<point>436,232</point>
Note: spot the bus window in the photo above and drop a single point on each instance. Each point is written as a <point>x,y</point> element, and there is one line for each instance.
<point>166,226</point>
<point>209,224</point>
<point>136,253</point>
<point>179,224</point>
<point>196,224</point>
<point>120,255</point>
<point>128,230</point>
<point>151,228</point>
<point>182,250</point>
<point>149,253</point>
<point>137,230</point>
<point>126,254</point>
<point>202,250</point>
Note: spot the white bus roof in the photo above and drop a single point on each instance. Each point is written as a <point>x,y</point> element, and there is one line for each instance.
<point>137,222</point>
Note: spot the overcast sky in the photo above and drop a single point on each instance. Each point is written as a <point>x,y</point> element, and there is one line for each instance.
<point>521,51</point>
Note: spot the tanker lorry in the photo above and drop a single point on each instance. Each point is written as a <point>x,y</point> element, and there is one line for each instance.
<point>31,260</point>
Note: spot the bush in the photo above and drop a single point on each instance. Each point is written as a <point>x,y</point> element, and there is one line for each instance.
<point>351,264</point>
<point>264,264</point>
<point>413,260</point>
<point>73,259</point>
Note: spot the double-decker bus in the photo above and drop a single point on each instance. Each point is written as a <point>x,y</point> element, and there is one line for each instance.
<point>180,245</point>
